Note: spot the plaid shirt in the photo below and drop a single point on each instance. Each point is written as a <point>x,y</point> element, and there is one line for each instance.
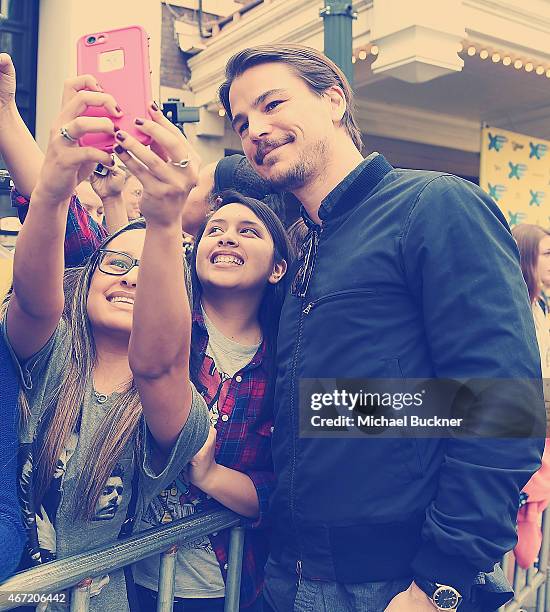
<point>240,443</point>
<point>244,446</point>
<point>82,235</point>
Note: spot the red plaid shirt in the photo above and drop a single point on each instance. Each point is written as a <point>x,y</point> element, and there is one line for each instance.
<point>241,444</point>
<point>82,235</point>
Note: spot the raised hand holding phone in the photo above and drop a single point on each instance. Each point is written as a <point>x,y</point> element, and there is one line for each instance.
<point>66,163</point>
<point>168,170</point>
<point>119,61</point>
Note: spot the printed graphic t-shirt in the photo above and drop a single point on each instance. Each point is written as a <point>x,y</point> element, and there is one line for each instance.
<point>55,530</point>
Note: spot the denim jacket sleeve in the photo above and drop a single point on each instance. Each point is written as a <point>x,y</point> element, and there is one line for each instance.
<point>462,265</point>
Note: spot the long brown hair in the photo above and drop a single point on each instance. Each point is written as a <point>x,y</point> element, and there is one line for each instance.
<point>120,426</point>
<point>315,69</point>
<point>528,238</point>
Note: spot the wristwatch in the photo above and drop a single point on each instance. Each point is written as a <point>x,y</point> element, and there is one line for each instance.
<point>443,596</point>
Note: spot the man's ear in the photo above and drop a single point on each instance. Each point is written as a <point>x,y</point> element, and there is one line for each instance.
<point>279,270</point>
<point>335,96</point>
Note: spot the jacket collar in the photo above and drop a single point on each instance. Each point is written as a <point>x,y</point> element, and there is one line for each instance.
<point>354,188</point>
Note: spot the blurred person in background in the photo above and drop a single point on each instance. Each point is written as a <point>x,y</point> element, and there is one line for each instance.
<point>132,192</point>
<point>91,201</point>
<point>534,248</point>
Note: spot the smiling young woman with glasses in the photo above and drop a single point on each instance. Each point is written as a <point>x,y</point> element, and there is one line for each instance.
<point>107,398</point>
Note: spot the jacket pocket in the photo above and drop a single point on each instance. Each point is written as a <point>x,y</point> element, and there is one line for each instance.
<point>339,295</point>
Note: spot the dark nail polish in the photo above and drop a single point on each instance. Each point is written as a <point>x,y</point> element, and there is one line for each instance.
<point>120,136</point>
<point>118,150</point>
<point>154,106</point>
<point>118,109</point>
<point>116,129</point>
<point>138,121</point>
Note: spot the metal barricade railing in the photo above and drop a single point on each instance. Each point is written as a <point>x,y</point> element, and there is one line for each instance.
<point>75,573</point>
<point>533,582</point>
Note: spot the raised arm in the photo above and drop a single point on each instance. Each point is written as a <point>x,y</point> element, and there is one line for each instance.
<point>37,302</point>
<point>21,154</point>
<point>161,329</point>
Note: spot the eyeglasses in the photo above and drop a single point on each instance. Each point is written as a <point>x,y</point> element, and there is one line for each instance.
<point>115,263</point>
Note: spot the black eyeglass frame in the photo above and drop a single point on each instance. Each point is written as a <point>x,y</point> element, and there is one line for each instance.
<point>102,252</point>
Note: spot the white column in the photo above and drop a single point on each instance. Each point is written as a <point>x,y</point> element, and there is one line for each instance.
<point>62,23</point>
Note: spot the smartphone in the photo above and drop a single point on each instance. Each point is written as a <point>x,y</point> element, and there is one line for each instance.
<point>119,59</point>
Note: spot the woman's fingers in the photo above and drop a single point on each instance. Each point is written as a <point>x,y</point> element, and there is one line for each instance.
<point>91,155</point>
<point>72,86</point>
<point>6,65</point>
<point>156,166</point>
<point>78,104</point>
<point>171,145</point>
<point>133,165</point>
<point>158,117</point>
<point>76,128</point>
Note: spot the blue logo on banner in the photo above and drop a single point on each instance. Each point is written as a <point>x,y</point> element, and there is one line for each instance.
<point>497,142</point>
<point>516,218</point>
<point>537,151</point>
<point>536,197</point>
<point>496,191</point>
<point>517,170</point>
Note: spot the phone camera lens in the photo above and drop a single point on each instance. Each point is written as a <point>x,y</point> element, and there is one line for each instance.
<point>91,40</point>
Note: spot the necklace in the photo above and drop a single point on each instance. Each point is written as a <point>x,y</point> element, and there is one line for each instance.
<point>100,398</point>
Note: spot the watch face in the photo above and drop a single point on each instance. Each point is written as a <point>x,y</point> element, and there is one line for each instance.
<point>445,598</point>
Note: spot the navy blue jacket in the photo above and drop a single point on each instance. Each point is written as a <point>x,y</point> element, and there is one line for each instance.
<point>416,275</point>
<point>12,535</point>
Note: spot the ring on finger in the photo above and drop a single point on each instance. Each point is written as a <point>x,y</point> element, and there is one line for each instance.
<point>65,133</point>
<point>182,163</point>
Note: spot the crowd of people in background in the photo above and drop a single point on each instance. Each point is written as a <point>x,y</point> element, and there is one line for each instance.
<point>163,312</point>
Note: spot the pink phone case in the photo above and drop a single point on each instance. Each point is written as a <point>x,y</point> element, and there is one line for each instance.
<point>119,59</point>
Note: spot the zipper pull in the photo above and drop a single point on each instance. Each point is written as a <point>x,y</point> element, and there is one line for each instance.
<point>299,572</point>
<point>308,308</point>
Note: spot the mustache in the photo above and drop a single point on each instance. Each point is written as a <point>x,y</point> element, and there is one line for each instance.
<point>267,145</point>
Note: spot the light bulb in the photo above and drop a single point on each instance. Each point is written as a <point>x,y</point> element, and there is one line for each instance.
<point>484,54</point>
<point>507,61</point>
<point>518,64</point>
<point>471,51</point>
<point>374,50</point>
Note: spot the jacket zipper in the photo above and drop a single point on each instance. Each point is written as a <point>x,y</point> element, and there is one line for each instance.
<point>334,296</point>
<point>292,391</point>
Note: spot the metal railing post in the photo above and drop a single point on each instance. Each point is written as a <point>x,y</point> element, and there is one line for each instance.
<point>542,592</point>
<point>80,596</point>
<point>167,580</point>
<point>234,569</point>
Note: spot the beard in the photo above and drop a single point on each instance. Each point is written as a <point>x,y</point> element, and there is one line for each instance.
<point>304,170</point>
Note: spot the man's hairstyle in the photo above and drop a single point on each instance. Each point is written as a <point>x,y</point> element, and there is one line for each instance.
<point>314,68</point>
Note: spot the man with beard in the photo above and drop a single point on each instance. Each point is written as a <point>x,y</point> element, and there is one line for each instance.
<point>416,275</point>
